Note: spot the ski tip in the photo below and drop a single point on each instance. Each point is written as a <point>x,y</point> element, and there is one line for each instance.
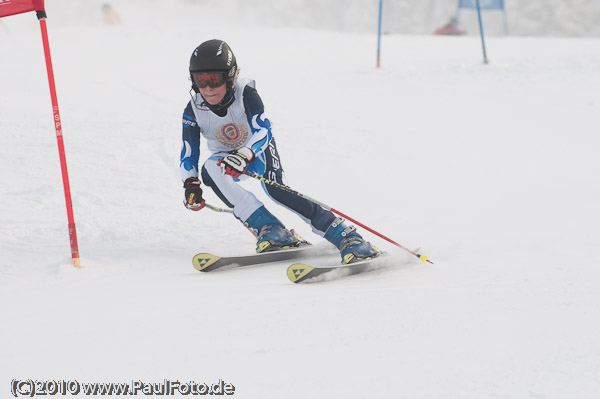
<point>202,262</point>
<point>297,272</point>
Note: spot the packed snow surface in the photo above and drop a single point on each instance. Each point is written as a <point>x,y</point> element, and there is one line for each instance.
<point>491,169</point>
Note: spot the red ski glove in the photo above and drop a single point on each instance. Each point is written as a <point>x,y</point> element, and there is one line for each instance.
<point>235,164</point>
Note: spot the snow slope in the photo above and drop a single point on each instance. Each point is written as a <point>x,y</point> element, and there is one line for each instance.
<point>491,169</point>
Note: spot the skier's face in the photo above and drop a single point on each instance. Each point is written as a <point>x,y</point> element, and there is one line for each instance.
<point>213,95</point>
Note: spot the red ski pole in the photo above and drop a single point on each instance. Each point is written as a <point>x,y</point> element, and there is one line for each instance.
<point>59,137</point>
<point>423,258</point>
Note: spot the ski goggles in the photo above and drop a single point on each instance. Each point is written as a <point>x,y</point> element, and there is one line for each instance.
<point>210,79</point>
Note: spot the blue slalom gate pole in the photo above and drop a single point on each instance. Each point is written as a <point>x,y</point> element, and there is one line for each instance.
<point>485,60</point>
<point>379,33</point>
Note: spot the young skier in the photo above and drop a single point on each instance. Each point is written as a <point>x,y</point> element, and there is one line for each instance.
<point>229,113</point>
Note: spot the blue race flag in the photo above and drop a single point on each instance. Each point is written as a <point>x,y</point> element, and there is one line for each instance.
<point>379,33</point>
<point>483,4</point>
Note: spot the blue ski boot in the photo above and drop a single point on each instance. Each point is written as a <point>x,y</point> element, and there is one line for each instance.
<point>351,245</point>
<point>270,232</point>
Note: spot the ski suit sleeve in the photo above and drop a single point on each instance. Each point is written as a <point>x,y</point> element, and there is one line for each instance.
<point>259,124</point>
<point>190,152</point>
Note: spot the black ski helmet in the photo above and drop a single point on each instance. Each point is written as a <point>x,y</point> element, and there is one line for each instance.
<point>214,56</point>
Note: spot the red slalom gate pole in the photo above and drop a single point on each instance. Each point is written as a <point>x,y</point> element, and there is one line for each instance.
<point>423,258</point>
<point>59,138</point>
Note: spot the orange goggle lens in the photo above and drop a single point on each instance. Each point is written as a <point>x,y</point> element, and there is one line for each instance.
<point>212,80</point>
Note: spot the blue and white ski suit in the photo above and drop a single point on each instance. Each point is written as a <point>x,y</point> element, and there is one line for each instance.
<point>244,125</point>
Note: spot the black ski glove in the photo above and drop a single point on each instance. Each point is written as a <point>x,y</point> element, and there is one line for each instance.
<point>193,194</point>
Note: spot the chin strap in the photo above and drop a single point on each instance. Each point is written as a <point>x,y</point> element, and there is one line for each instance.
<point>222,106</point>
<point>225,103</point>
